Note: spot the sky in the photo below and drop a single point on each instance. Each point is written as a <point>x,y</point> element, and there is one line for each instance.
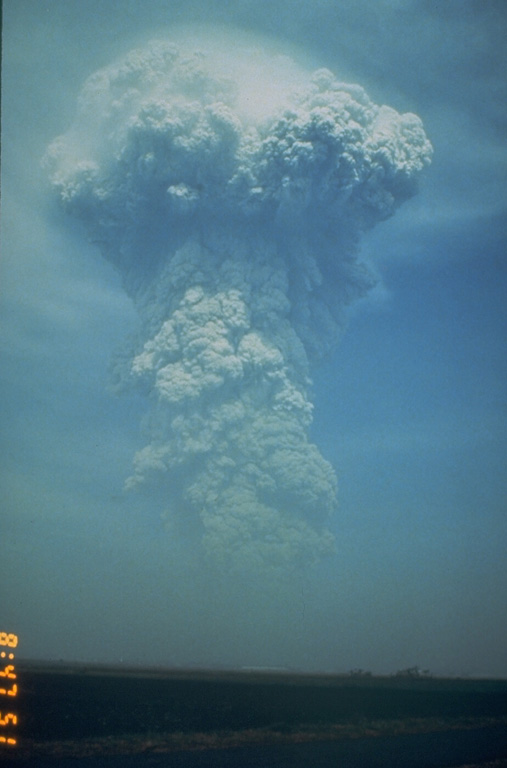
<point>409,409</point>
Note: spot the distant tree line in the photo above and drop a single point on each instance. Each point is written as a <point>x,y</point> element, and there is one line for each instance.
<point>411,672</point>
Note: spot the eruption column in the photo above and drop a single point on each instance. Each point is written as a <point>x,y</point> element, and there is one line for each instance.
<point>235,230</point>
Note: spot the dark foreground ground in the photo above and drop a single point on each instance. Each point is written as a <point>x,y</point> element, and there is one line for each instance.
<point>71,715</point>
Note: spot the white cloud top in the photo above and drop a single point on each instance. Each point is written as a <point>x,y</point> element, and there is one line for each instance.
<point>234,224</point>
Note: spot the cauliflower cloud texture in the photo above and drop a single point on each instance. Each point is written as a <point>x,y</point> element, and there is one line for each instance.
<point>235,232</point>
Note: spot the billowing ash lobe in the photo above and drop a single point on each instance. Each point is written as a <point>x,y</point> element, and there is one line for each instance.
<point>235,231</point>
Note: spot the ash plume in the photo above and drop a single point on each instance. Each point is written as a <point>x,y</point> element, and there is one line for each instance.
<point>232,205</point>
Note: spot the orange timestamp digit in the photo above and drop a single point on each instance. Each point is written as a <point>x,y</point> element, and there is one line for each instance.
<point>9,719</point>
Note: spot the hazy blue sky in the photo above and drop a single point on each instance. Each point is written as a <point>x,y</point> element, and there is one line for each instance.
<point>410,409</point>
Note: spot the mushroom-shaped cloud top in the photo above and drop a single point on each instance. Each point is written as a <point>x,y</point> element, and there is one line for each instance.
<point>168,135</point>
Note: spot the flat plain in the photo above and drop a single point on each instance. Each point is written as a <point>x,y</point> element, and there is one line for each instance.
<point>70,711</point>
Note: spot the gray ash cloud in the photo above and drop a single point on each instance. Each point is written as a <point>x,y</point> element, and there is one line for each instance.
<point>232,208</point>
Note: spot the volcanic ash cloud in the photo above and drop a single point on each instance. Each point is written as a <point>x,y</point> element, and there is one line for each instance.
<point>232,204</point>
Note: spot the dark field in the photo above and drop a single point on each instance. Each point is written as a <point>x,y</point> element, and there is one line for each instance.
<point>76,711</point>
